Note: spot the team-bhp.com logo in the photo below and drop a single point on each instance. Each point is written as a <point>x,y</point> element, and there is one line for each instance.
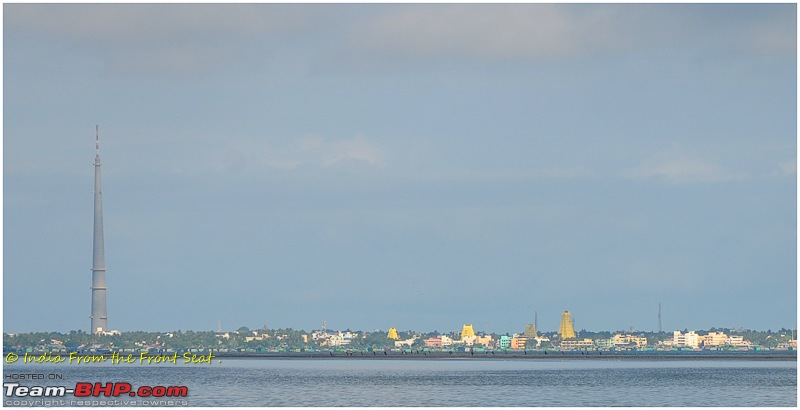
<point>83,389</point>
<point>92,390</point>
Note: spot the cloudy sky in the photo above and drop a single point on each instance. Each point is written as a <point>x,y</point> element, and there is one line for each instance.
<point>414,166</point>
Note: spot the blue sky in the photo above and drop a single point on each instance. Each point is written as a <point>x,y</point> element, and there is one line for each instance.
<point>409,166</point>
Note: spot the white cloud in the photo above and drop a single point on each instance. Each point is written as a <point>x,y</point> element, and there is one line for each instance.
<point>770,38</point>
<point>551,32</point>
<point>789,167</point>
<point>154,24</point>
<point>679,167</point>
<point>307,151</point>
<point>187,38</point>
<point>165,38</point>
<point>357,149</point>
<point>488,31</point>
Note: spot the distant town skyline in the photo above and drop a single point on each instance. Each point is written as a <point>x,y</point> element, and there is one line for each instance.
<point>405,165</point>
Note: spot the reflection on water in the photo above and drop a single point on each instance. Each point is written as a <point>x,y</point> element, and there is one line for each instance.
<point>453,382</point>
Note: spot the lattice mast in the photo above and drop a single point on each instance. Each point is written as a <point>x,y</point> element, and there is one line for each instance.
<point>659,317</point>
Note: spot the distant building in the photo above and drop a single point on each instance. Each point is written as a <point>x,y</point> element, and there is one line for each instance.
<point>467,331</point>
<point>690,339</point>
<point>433,342</point>
<point>566,330</point>
<point>393,334</point>
<point>604,343</point>
<point>504,342</point>
<point>622,341</point>
<point>340,339</point>
<point>407,342</point>
<point>577,344</point>
<point>319,335</point>
<point>541,339</point>
<point>483,340</point>
<point>263,336</point>
<point>738,341</point>
<point>530,331</point>
<point>518,342</point>
<point>714,339</point>
<point>446,341</point>
<point>791,344</point>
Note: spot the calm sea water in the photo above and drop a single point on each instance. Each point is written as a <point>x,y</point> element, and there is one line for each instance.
<point>454,382</point>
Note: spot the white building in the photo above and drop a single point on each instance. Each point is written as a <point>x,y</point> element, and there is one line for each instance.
<point>446,341</point>
<point>622,340</point>
<point>540,339</point>
<point>737,341</point>
<point>407,342</point>
<point>319,335</point>
<point>341,339</point>
<point>690,339</point>
<point>714,339</point>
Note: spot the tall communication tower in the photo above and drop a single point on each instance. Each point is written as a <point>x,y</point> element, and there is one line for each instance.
<point>99,309</point>
<point>659,317</point>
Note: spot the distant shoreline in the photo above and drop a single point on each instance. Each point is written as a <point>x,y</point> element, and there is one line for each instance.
<point>513,355</point>
<point>539,354</point>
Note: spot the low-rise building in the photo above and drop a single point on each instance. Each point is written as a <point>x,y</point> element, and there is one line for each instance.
<point>483,340</point>
<point>446,341</point>
<point>257,336</point>
<point>623,340</point>
<point>319,335</point>
<point>541,339</point>
<point>433,342</point>
<point>577,344</point>
<point>469,340</point>
<point>738,341</point>
<point>714,339</point>
<point>340,339</point>
<point>407,342</point>
<point>518,342</point>
<point>504,342</point>
<point>690,339</point>
<point>604,343</point>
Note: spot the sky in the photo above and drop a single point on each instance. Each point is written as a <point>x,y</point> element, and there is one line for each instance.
<point>418,166</point>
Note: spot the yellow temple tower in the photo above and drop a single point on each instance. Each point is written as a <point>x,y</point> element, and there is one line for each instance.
<point>530,331</point>
<point>565,330</point>
<point>467,331</point>
<point>393,334</point>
